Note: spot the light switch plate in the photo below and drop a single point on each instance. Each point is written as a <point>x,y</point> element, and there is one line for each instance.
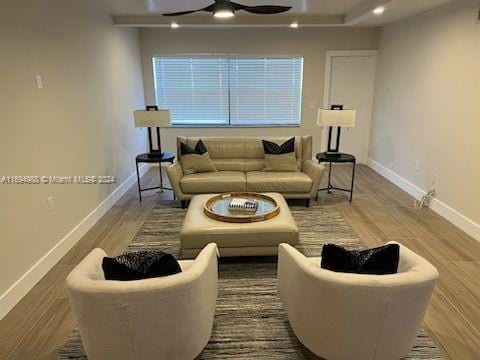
<point>50,203</point>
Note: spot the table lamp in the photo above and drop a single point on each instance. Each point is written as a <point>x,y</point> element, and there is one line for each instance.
<point>335,117</point>
<point>153,117</point>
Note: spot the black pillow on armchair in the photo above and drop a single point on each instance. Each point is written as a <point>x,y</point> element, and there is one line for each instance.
<point>377,261</point>
<point>140,265</point>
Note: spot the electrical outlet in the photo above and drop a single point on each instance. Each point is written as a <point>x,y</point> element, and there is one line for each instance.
<point>39,80</point>
<point>313,105</point>
<point>417,165</point>
<point>434,179</point>
<point>50,203</point>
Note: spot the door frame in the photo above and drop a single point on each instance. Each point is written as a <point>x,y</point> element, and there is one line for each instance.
<point>328,70</point>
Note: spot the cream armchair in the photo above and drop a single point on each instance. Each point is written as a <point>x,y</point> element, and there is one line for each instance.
<point>340,316</point>
<point>161,318</point>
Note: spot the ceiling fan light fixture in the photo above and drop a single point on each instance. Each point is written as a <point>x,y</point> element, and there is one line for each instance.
<point>224,14</point>
<point>223,11</point>
<point>174,25</point>
<point>294,25</point>
<point>379,10</point>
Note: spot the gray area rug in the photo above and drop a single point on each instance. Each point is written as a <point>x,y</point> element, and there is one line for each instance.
<point>250,322</point>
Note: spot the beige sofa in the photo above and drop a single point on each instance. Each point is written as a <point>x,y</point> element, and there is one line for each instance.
<point>240,163</point>
<point>168,318</point>
<point>341,316</point>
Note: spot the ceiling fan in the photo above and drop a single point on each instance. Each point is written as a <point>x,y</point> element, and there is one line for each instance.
<point>227,8</point>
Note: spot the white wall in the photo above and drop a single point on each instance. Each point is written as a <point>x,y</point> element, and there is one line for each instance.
<point>427,107</point>
<point>350,81</point>
<point>311,43</point>
<point>80,123</point>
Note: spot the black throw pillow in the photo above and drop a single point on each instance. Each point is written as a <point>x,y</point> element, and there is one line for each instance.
<point>140,265</point>
<point>275,149</point>
<point>378,261</point>
<point>199,149</point>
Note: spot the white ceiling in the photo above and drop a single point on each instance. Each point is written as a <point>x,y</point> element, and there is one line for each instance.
<point>308,13</point>
<point>155,7</point>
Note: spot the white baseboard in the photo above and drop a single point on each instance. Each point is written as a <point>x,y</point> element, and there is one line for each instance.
<point>402,183</point>
<point>23,285</point>
<point>442,209</point>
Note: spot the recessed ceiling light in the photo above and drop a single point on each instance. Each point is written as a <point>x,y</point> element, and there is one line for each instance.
<point>379,10</point>
<point>294,25</point>
<point>174,25</point>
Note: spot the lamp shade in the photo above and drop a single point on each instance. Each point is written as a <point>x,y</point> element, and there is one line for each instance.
<point>345,118</point>
<point>153,118</point>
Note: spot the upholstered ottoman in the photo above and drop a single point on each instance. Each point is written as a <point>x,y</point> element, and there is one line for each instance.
<point>236,239</point>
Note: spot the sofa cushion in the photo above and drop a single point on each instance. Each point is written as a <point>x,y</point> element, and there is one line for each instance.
<point>244,148</point>
<point>283,182</point>
<point>280,157</point>
<point>199,149</point>
<point>281,162</point>
<point>286,147</point>
<point>237,164</point>
<point>195,160</point>
<point>213,182</point>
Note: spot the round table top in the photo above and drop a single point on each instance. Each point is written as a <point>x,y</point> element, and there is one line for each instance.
<point>166,156</point>
<point>341,157</point>
<point>218,208</point>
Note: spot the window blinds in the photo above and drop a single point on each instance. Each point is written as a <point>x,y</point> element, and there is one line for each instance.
<point>193,88</point>
<point>241,91</point>
<point>265,91</point>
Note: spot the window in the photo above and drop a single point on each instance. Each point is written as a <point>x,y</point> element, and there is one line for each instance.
<point>227,90</point>
<point>194,89</point>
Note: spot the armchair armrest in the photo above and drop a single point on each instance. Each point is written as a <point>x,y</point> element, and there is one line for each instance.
<point>175,174</point>
<point>315,172</point>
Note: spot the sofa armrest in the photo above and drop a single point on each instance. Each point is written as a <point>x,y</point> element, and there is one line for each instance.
<point>315,172</point>
<point>175,174</point>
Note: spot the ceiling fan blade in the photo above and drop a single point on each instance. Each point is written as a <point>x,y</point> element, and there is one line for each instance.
<point>208,9</point>
<point>261,9</point>
<point>181,13</point>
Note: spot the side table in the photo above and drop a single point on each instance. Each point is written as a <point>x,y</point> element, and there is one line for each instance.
<point>339,158</point>
<point>153,158</point>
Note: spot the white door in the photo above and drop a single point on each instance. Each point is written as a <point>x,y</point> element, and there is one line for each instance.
<point>350,81</point>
